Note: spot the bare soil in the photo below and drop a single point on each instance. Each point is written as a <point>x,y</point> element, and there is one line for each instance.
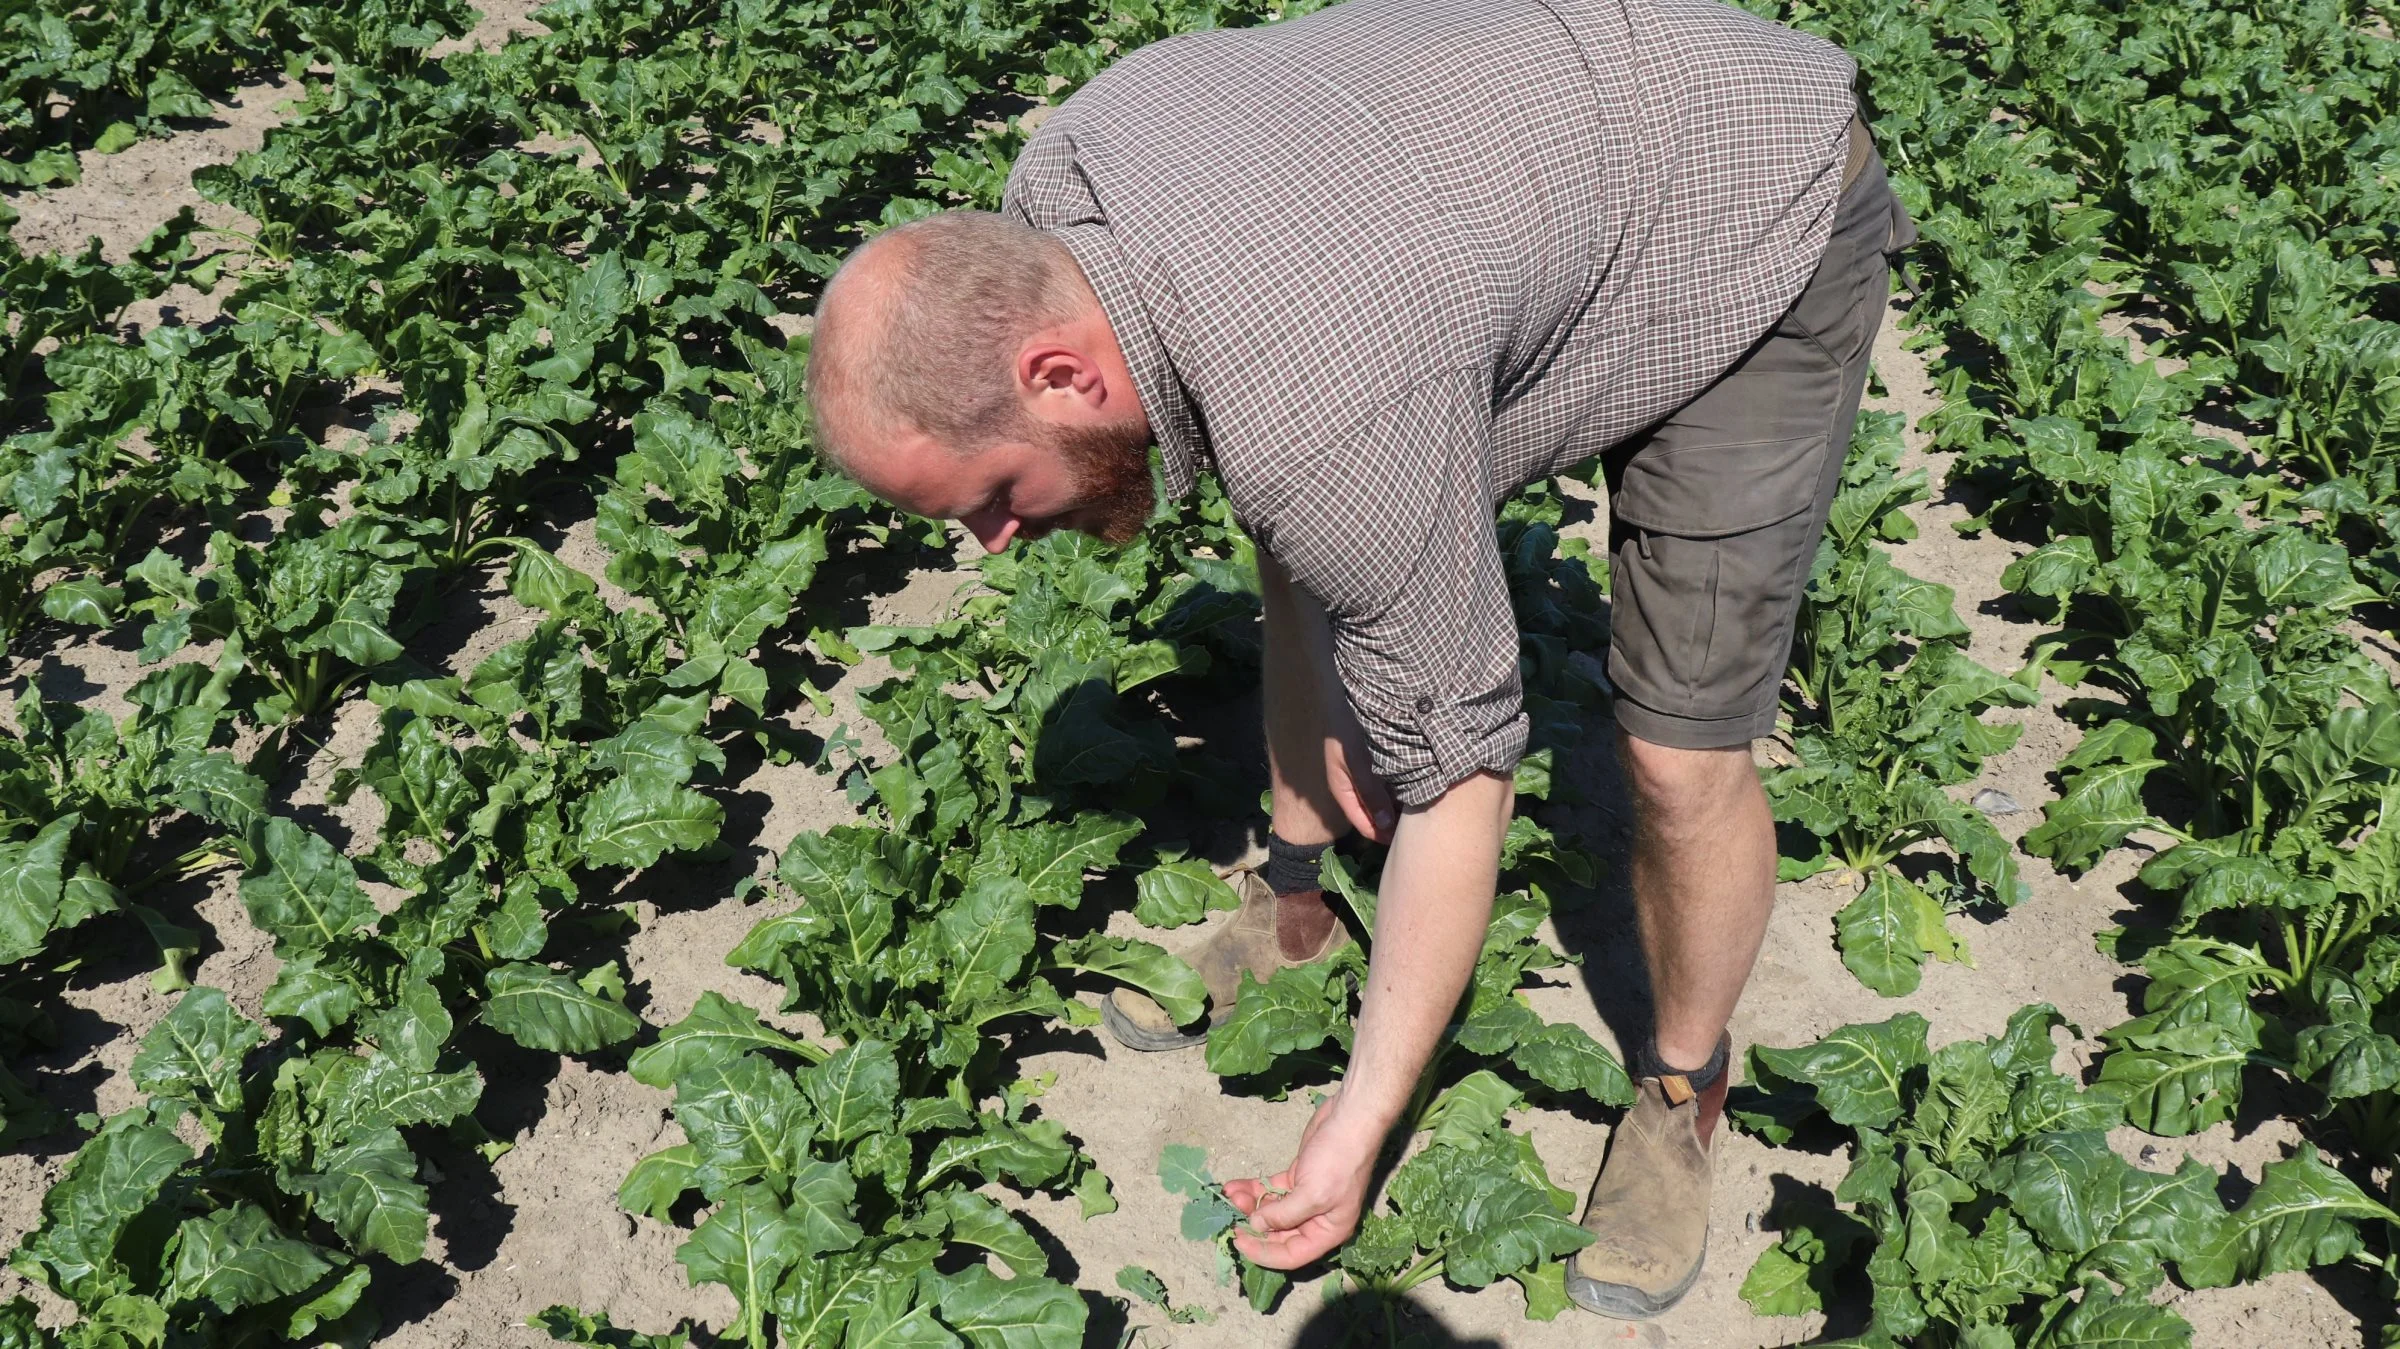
<point>541,1225</point>
<point>123,197</point>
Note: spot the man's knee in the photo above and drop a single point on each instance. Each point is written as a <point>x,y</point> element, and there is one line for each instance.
<point>1677,790</point>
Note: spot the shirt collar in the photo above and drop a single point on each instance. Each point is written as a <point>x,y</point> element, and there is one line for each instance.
<point>1173,422</point>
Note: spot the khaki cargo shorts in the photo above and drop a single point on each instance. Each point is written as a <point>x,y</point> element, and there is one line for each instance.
<point>1714,514</point>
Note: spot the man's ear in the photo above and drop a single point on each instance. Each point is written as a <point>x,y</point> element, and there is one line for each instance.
<point>1054,368</point>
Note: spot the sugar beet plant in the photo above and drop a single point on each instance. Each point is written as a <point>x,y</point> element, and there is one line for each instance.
<point>100,77</point>
<point>1985,1207</point>
<point>1887,714</point>
<point>2226,200</point>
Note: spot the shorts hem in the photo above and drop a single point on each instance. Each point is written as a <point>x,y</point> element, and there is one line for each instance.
<point>1674,732</point>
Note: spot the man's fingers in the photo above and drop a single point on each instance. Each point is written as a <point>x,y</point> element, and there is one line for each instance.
<point>1247,1194</point>
<point>1363,799</point>
<point>1244,1195</point>
<point>1289,1249</point>
<point>1280,1213</point>
<point>1377,800</point>
<point>1363,811</point>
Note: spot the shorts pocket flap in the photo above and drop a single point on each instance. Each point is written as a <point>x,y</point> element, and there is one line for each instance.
<point>1707,491</point>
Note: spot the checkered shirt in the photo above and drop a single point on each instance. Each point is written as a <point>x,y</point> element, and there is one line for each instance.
<point>1384,264</point>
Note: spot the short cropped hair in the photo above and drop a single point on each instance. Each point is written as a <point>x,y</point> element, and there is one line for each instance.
<point>931,342</point>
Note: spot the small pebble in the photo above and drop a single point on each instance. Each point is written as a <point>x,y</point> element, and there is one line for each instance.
<point>1993,801</point>
<point>1749,1222</point>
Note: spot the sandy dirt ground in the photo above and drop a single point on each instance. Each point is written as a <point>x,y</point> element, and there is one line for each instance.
<point>541,1225</point>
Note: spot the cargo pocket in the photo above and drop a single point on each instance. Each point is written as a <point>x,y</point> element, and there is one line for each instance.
<point>1711,545</point>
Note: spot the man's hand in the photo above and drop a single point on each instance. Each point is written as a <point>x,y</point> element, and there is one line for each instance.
<point>1429,924</point>
<point>1303,1213</point>
<point>1364,800</point>
<point>1315,749</point>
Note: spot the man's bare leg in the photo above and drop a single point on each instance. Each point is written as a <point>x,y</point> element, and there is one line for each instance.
<point>1703,883</point>
<point>1304,809</point>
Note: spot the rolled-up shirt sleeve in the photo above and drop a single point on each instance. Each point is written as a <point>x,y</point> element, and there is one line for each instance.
<point>1391,530</point>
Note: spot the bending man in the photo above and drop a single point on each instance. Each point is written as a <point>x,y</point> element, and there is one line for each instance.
<point>1380,267</point>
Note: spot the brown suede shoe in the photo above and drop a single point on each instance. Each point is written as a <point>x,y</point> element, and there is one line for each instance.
<point>1649,1208</point>
<point>1246,943</point>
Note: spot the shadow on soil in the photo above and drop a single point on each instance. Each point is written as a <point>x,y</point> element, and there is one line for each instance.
<point>470,1213</point>
<point>1350,1320</point>
<point>1359,1320</point>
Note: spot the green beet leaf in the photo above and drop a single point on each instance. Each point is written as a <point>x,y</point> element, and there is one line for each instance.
<point>363,1093</point>
<point>303,892</point>
<point>1299,1008</point>
<point>1858,1072</point>
<point>1505,1227</point>
<point>856,1091</point>
<point>1179,893</point>
<point>368,1190</point>
<point>1890,930</point>
<point>569,1325</point>
<point>110,1179</point>
<point>2102,798</point>
<point>1027,1312</point>
<point>2103,1320</point>
<point>1175,985</point>
<point>659,1181</point>
<point>32,880</point>
<point>2303,1213</point>
<point>236,1257</point>
<point>195,1054</point>
<point>746,1244</point>
<point>1051,857</point>
<point>632,822</point>
<point>746,1119</point>
<point>1030,1153</point>
<point>542,1008</point>
<point>716,1029</point>
<point>983,939</point>
<point>975,1220</point>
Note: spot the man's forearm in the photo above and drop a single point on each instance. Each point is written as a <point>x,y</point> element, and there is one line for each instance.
<point>1429,927</point>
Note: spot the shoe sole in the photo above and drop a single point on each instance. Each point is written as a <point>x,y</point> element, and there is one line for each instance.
<point>1147,1041</point>
<point>1624,1302</point>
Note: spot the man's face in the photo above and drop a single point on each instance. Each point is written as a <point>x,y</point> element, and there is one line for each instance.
<point>1090,478</point>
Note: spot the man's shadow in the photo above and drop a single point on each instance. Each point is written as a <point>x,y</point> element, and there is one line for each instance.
<point>1363,1320</point>
<point>1591,804</point>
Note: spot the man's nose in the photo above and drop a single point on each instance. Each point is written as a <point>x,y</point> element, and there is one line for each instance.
<point>991,528</point>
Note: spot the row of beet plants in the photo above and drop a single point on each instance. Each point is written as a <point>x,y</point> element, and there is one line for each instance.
<point>276,573</point>
<point>2235,715</point>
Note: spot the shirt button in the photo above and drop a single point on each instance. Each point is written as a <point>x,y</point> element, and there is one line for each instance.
<point>1424,702</point>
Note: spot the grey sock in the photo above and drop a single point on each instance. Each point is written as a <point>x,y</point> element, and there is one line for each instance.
<point>1649,1064</point>
<point>1293,867</point>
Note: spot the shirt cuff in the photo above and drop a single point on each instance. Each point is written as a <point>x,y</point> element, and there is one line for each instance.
<point>1454,750</point>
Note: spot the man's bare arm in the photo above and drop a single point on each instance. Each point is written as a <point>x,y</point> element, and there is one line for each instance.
<point>1430,920</point>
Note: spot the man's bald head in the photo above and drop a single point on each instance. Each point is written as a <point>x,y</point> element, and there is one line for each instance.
<point>921,327</point>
